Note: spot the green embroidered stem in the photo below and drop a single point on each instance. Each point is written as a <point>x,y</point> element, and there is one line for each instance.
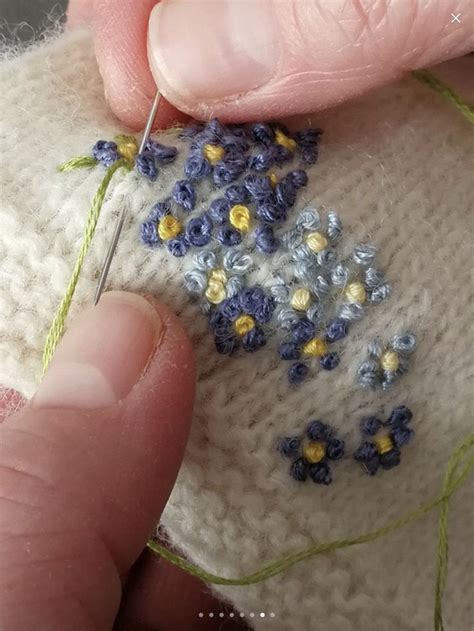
<point>438,86</point>
<point>81,162</point>
<point>57,327</point>
<point>455,477</point>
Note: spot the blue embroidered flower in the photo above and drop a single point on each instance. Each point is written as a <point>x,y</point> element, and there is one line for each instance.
<point>303,345</point>
<point>239,321</point>
<point>161,227</point>
<point>385,366</point>
<point>384,451</point>
<point>311,455</point>
<point>217,277</point>
<point>217,151</point>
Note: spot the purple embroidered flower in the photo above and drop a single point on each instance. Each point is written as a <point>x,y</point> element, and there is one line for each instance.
<point>384,451</point>
<point>311,454</point>
<point>217,151</point>
<point>303,345</point>
<point>162,227</point>
<point>238,321</point>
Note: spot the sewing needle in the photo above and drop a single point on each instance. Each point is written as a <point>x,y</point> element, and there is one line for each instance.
<point>118,229</point>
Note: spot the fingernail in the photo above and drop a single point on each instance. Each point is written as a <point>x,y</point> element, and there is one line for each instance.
<point>210,50</point>
<point>103,355</point>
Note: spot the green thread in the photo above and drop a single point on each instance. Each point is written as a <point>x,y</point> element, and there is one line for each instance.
<point>438,86</point>
<point>452,483</point>
<point>81,162</point>
<point>59,321</point>
<point>442,559</point>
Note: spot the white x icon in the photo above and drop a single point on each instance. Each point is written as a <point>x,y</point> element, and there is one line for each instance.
<point>456,18</point>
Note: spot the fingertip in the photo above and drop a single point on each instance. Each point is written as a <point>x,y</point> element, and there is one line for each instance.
<point>120,32</point>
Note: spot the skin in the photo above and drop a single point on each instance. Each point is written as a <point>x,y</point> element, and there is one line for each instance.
<point>83,487</point>
<point>81,490</point>
<point>329,51</point>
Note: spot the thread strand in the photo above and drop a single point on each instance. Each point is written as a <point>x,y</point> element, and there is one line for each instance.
<point>81,162</point>
<point>438,86</point>
<point>59,320</point>
<point>457,472</point>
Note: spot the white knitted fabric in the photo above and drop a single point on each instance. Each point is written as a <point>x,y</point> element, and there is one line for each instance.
<point>395,166</point>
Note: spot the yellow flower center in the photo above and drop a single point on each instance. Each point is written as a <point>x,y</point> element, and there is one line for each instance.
<point>282,139</point>
<point>384,444</point>
<point>215,292</point>
<point>315,348</point>
<point>169,227</point>
<point>244,324</point>
<point>390,361</point>
<point>355,292</point>
<point>316,242</point>
<point>218,275</point>
<point>239,217</point>
<point>314,452</point>
<point>273,178</point>
<point>127,147</point>
<point>301,299</point>
<point>213,153</point>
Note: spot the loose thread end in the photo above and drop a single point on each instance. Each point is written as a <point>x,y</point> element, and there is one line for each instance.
<point>80,162</point>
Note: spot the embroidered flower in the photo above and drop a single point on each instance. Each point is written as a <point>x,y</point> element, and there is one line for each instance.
<point>310,245</point>
<point>303,345</point>
<point>216,151</point>
<point>217,278</point>
<point>312,453</point>
<point>239,321</point>
<point>385,366</point>
<point>384,451</point>
<point>162,227</point>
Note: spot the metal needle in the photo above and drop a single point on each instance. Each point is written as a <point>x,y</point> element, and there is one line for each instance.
<point>118,228</point>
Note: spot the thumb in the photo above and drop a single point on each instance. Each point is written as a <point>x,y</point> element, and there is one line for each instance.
<point>242,60</point>
<point>87,467</point>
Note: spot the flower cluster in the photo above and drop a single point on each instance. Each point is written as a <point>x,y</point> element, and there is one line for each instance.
<point>384,451</point>
<point>224,153</point>
<point>239,321</point>
<point>311,455</point>
<point>322,295</point>
<point>261,202</point>
<point>147,162</point>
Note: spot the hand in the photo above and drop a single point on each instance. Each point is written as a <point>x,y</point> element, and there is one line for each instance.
<point>242,60</point>
<point>86,469</point>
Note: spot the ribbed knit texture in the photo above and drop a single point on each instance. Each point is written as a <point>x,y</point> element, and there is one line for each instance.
<point>395,165</point>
